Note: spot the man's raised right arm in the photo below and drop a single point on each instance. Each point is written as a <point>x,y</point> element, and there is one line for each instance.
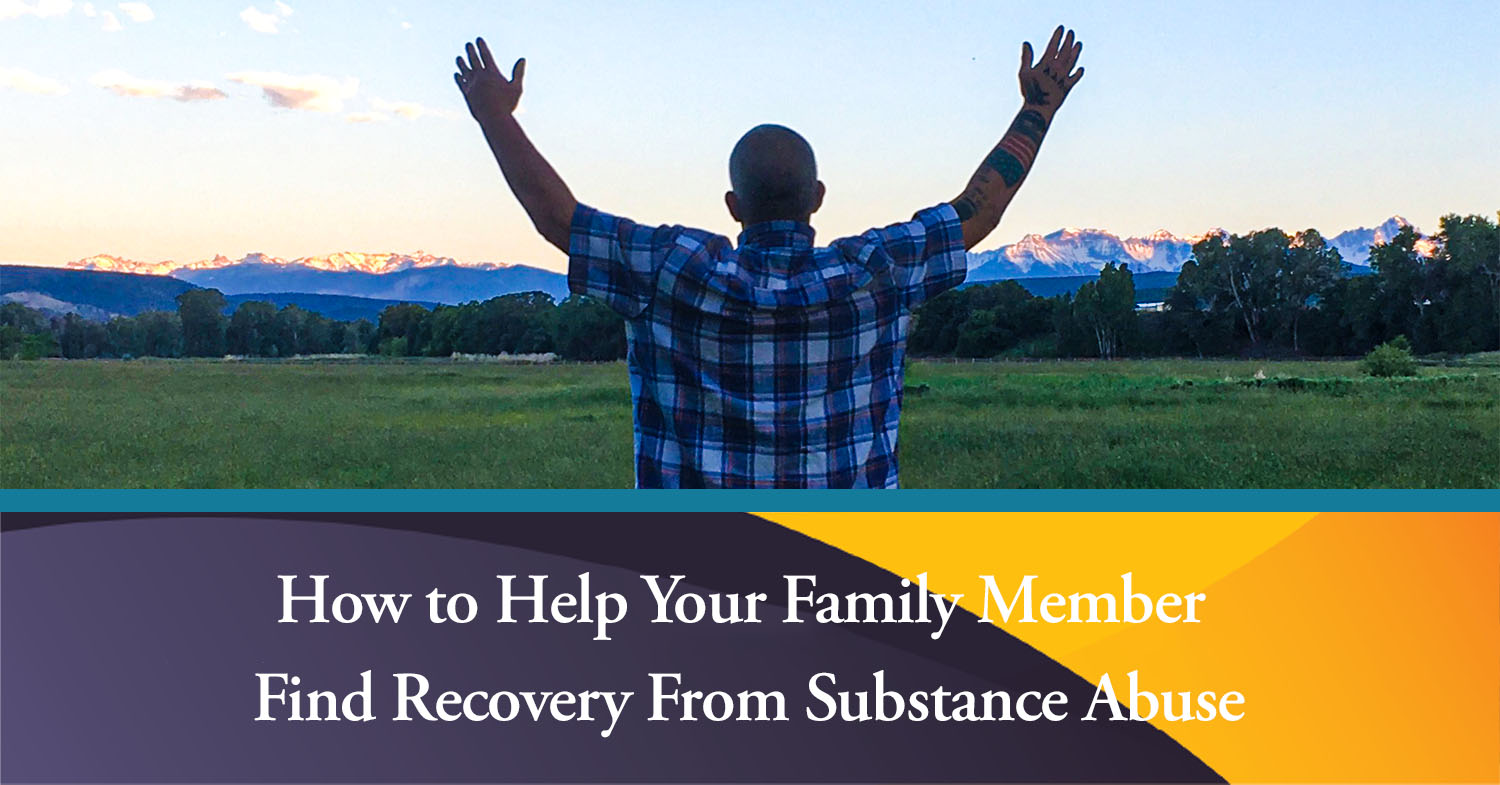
<point>492,100</point>
<point>1044,86</point>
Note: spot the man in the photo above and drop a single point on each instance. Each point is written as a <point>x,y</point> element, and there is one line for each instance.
<point>770,362</point>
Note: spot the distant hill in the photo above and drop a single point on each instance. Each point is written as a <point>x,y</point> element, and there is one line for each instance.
<point>451,284</point>
<point>94,295</point>
<point>402,277</point>
<point>334,306</point>
<point>100,295</point>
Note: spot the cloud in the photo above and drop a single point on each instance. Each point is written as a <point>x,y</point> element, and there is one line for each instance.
<point>123,84</point>
<point>312,93</point>
<point>14,9</point>
<point>28,82</point>
<point>112,22</point>
<point>407,109</point>
<point>365,117</point>
<point>268,22</point>
<point>138,12</point>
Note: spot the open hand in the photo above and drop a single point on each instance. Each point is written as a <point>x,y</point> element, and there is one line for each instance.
<point>487,91</point>
<point>1047,82</point>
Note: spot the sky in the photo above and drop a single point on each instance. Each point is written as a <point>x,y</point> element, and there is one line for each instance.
<point>170,129</point>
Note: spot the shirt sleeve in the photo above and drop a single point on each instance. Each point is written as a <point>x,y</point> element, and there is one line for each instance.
<point>615,259</point>
<point>927,253</point>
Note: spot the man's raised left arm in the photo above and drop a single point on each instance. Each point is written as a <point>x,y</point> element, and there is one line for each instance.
<point>1044,84</point>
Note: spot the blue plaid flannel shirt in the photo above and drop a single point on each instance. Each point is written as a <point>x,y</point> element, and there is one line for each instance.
<point>774,364</point>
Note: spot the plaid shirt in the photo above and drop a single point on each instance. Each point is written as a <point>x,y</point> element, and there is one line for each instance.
<point>776,364</point>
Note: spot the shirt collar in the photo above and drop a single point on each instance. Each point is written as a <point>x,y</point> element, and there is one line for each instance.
<point>778,234</point>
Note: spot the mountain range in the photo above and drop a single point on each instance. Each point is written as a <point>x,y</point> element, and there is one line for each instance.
<point>358,285</point>
<point>387,276</point>
<point>425,277</point>
<point>1070,252</point>
<point>100,296</point>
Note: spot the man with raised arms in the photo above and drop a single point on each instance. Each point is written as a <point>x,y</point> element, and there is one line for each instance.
<point>770,361</point>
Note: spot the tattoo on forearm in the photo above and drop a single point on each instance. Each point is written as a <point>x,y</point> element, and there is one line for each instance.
<point>1013,157</point>
<point>1011,160</point>
<point>1031,124</point>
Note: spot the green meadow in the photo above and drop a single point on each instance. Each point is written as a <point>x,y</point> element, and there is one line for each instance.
<point>448,424</point>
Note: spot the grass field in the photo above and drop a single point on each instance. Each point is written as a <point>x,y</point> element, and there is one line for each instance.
<point>441,424</point>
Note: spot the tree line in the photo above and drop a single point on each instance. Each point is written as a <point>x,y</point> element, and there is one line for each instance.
<point>1266,293</point>
<point>1260,294</point>
<point>526,323</point>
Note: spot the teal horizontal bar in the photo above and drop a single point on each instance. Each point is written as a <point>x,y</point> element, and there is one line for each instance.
<point>232,501</point>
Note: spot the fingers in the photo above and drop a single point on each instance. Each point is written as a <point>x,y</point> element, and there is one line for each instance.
<point>485,56</point>
<point>518,71</point>
<point>458,79</point>
<point>474,62</point>
<point>463,67</point>
<point>1067,46</point>
<point>1052,45</point>
<point>1075,79</point>
<point>1073,55</point>
<point>1026,56</point>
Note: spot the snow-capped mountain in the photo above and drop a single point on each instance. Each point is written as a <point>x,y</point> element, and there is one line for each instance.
<point>349,261</point>
<point>1354,245</point>
<point>1086,251</point>
<point>393,276</point>
<point>1080,252</point>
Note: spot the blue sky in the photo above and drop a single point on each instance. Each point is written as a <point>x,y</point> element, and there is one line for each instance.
<point>1329,114</point>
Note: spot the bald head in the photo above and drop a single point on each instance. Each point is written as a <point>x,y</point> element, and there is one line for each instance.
<point>774,177</point>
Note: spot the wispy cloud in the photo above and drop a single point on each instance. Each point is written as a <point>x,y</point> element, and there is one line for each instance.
<point>138,12</point>
<point>28,82</point>
<point>407,109</point>
<point>365,117</point>
<point>268,22</point>
<point>123,84</point>
<point>14,9</point>
<point>313,93</point>
<point>110,22</point>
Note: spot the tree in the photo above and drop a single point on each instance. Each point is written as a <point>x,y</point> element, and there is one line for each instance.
<point>201,312</point>
<point>406,322</point>
<point>1469,256</point>
<point>1309,269</point>
<point>159,333</point>
<point>294,329</point>
<point>1107,307</point>
<point>935,323</point>
<point>252,330</point>
<point>81,338</point>
<point>981,335</point>
<point>1406,288</point>
<point>1196,315</point>
<point>27,320</point>
<point>587,329</point>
